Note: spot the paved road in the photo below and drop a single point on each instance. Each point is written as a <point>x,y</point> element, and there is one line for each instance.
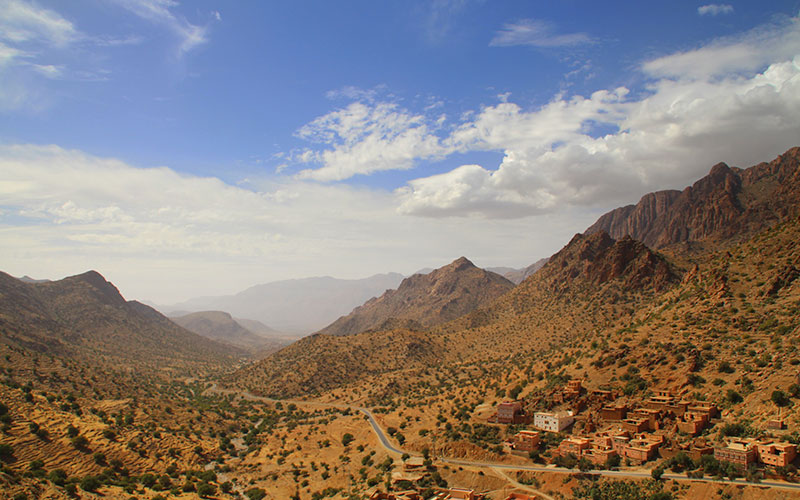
<point>387,444</point>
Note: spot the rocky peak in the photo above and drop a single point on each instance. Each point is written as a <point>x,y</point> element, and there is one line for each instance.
<point>460,264</point>
<point>727,203</point>
<point>100,289</point>
<point>426,299</point>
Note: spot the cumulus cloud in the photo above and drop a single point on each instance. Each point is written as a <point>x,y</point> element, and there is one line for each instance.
<point>667,139</point>
<point>536,33</point>
<point>715,9</point>
<point>366,138</point>
<point>735,100</point>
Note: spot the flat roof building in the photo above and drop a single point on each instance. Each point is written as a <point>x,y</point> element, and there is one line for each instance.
<point>553,422</point>
<point>738,452</point>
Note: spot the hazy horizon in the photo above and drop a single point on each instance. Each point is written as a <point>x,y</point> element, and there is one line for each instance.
<point>196,149</point>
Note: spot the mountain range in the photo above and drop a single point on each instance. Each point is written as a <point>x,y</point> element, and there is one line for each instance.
<point>694,292</point>
<point>600,278</point>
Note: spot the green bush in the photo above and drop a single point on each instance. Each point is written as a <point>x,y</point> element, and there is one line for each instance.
<point>255,493</point>
<point>90,484</point>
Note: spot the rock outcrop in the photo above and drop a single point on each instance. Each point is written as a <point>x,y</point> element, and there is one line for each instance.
<point>726,204</point>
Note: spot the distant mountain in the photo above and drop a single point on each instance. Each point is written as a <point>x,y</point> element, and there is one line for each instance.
<point>220,326</point>
<point>263,330</point>
<point>297,306</point>
<point>517,276</point>
<point>28,279</point>
<point>426,299</point>
<point>85,316</point>
<point>728,203</point>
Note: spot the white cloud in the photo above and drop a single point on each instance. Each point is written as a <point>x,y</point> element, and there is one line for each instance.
<point>159,12</point>
<point>715,9</point>
<point>745,53</point>
<point>22,21</point>
<point>165,236</point>
<point>536,33</point>
<point>734,100</point>
<point>667,139</point>
<point>368,138</point>
<point>704,107</point>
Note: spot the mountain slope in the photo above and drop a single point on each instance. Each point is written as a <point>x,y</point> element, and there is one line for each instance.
<point>296,306</point>
<point>426,299</point>
<point>728,203</point>
<point>563,300</point>
<point>85,317</point>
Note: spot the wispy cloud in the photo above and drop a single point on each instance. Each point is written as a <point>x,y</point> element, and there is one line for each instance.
<point>353,93</point>
<point>715,9</point>
<point>22,21</point>
<point>29,35</point>
<point>747,52</point>
<point>9,55</point>
<point>161,12</point>
<point>537,33</point>
<point>440,18</point>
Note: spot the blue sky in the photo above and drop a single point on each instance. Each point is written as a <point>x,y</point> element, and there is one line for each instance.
<point>158,141</point>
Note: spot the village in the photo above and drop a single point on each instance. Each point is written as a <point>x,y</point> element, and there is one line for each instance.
<point>597,429</point>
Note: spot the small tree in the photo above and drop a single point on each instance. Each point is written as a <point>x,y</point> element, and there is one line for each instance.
<point>90,484</point>
<point>780,398</point>
<point>255,493</point>
<point>205,489</point>
<point>347,439</point>
<point>657,473</point>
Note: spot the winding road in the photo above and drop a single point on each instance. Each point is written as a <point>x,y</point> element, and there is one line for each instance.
<point>498,466</point>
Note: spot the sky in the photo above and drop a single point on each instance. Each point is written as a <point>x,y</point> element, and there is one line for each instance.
<point>197,148</point>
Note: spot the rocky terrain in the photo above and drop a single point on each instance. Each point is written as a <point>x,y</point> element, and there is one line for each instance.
<point>693,293</point>
<point>426,299</point>
<point>729,203</point>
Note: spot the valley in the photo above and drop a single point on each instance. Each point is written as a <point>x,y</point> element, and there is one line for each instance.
<point>654,356</point>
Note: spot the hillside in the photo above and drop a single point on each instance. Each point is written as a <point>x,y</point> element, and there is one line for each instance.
<point>426,299</point>
<point>221,327</point>
<point>727,204</point>
<point>564,298</point>
<point>85,317</point>
<point>297,307</point>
